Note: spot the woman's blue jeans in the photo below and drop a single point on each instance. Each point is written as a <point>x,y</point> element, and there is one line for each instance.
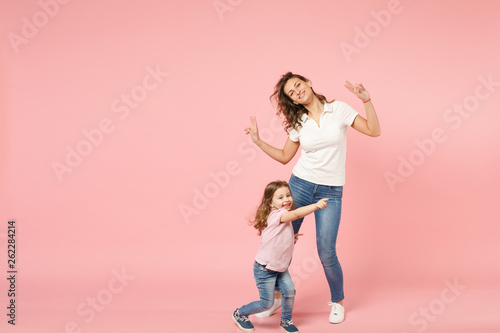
<point>327,225</point>
<point>267,280</point>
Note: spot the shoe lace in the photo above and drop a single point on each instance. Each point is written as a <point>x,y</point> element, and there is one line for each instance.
<point>336,307</point>
<point>242,317</point>
<point>286,322</point>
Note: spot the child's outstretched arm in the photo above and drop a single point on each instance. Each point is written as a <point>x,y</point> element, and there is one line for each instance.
<point>303,211</point>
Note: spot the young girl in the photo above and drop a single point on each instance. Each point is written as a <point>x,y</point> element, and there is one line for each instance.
<point>273,221</point>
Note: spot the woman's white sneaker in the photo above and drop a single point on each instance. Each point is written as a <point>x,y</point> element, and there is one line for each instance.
<point>337,313</point>
<point>268,313</point>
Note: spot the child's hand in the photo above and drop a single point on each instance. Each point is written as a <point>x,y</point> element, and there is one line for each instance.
<point>321,204</point>
<point>296,236</point>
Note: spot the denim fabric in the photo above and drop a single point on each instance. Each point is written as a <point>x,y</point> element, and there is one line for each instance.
<point>267,280</point>
<point>327,225</point>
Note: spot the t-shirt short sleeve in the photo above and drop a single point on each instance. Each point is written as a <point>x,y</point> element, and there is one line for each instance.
<point>293,135</point>
<point>275,216</point>
<point>346,113</point>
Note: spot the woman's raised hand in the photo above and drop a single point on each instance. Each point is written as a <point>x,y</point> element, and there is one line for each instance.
<point>358,90</point>
<point>253,130</point>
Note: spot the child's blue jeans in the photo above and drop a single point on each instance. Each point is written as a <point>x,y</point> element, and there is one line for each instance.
<point>267,281</point>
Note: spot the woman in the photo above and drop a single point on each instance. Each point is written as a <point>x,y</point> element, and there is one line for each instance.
<point>320,127</point>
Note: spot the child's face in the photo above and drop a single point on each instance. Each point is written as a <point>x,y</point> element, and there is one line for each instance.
<point>282,198</point>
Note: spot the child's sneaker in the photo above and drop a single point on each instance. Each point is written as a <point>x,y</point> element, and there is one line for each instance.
<point>268,313</point>
<point>242,321</point>
<point>288,326</point>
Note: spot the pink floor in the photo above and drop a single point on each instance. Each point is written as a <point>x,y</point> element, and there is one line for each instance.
<point>474,311</point>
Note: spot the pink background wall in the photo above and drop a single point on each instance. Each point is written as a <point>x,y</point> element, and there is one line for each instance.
<point>420,202</point>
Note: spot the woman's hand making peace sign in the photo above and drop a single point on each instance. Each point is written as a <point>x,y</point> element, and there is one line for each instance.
<point>358,90</point>
<point>253,130</point>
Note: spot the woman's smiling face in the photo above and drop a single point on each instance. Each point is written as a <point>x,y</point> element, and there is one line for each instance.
<point>299,91</point>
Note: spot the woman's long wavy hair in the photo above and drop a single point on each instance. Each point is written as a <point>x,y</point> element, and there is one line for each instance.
<point>260,220</point>
<point>285,106</point>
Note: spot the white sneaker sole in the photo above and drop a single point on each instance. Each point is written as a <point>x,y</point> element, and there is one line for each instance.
<point>286,330</point>
<point>336,321</point>
<point>242,328</point>
<point>267,313</point>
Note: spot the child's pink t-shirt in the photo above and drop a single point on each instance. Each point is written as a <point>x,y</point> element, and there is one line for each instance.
<point>277,241</point>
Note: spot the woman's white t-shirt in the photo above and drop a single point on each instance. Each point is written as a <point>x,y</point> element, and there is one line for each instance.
<point>323,156</point>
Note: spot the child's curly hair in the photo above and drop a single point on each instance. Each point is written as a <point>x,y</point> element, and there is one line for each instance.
<point>260,221</point>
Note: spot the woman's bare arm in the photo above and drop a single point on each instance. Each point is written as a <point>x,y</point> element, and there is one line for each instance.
<point>281,155</point>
